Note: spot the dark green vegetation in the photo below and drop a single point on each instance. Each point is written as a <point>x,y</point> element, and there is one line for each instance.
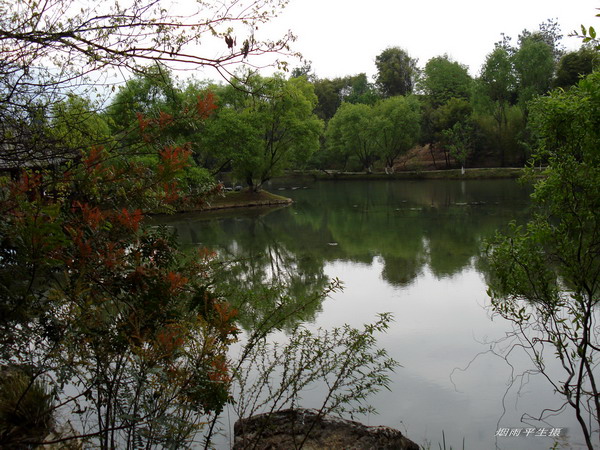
<point>104,319</point>
<point>546,275</point>
<point>437,117</point>
<point>110,336</point>
<point>448,174</point>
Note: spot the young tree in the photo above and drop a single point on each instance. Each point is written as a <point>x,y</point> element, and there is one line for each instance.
<point>350,133</point>
<point>396,125</point>
<point>499,82</point>
<point>546,275</point>
<point>444,79</point>
<point>396,72</point>
<point>534,67</point>
<point>459,140</point>
<point>268,129</point>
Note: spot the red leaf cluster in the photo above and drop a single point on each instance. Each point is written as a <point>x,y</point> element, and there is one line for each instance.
<point>173,159</point>
<point>206,104</point>
<point>130,220</point>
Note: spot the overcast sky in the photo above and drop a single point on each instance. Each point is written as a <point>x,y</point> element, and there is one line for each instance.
<point>343,37</point>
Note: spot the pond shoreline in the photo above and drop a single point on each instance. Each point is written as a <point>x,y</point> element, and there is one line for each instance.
<point>244,199</point>
<point>448,174</point>
<point>231,200</point>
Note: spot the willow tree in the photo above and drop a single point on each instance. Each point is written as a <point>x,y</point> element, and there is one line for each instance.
<point>397,124</point>
<point>266,130</point>
<point>350,134</point>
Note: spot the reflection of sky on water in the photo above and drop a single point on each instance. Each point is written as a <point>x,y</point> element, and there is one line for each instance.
<point>412,249</point>
<point>440,326</point>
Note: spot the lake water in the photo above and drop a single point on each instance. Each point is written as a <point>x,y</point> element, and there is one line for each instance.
<point>412,248</point>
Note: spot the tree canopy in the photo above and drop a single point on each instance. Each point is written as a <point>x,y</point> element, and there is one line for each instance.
<point>396,72</point>
<point>264,131</point>
<point>534,67</point>
<point>444,79</point>
<point>350,133</point>
<point>575,65</point>
<point>397,125</point>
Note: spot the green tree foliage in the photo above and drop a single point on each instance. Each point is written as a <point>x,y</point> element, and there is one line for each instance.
<point>396,72</point>
<point>501,143</point>
<point>498,76</point>
<point>510,78</point>
<point>352,89</point>
<point>534,67</point>
<point>76,125</point>
<point>127,333</point>
<point>574,65</point>
<point>329,98</point>
<point>437,122</point>
<point>151,108</point>
<point>444,79</point>
<point>459,140</point>
<point>267,129</point>
<point>499,82</point>
<point>546,276</point>
<point>149,93</point>
<point>396,126</point>
<point>226,137</point>
<point>358,89</point>
<point>350,134</point>
<point>550,33</point>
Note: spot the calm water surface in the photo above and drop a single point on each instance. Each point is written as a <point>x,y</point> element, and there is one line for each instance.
<point>411,248</point>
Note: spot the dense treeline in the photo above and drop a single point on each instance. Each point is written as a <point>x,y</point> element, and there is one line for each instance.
<point>437,116</point>
<point>479,121</point>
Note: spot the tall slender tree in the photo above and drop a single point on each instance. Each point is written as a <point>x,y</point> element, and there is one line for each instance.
<point>396,72</point>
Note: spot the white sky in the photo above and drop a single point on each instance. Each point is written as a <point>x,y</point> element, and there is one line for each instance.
<point>343,37</point>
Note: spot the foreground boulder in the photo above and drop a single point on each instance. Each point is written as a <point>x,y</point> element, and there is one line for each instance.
<point>287,430</point>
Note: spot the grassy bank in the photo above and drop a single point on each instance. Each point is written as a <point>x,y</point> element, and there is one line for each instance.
<point>244,199</point>
<point>231,201</point>
<point>450,174</point>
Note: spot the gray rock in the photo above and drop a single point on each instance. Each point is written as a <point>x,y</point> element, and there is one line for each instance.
<point>286,430</point>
